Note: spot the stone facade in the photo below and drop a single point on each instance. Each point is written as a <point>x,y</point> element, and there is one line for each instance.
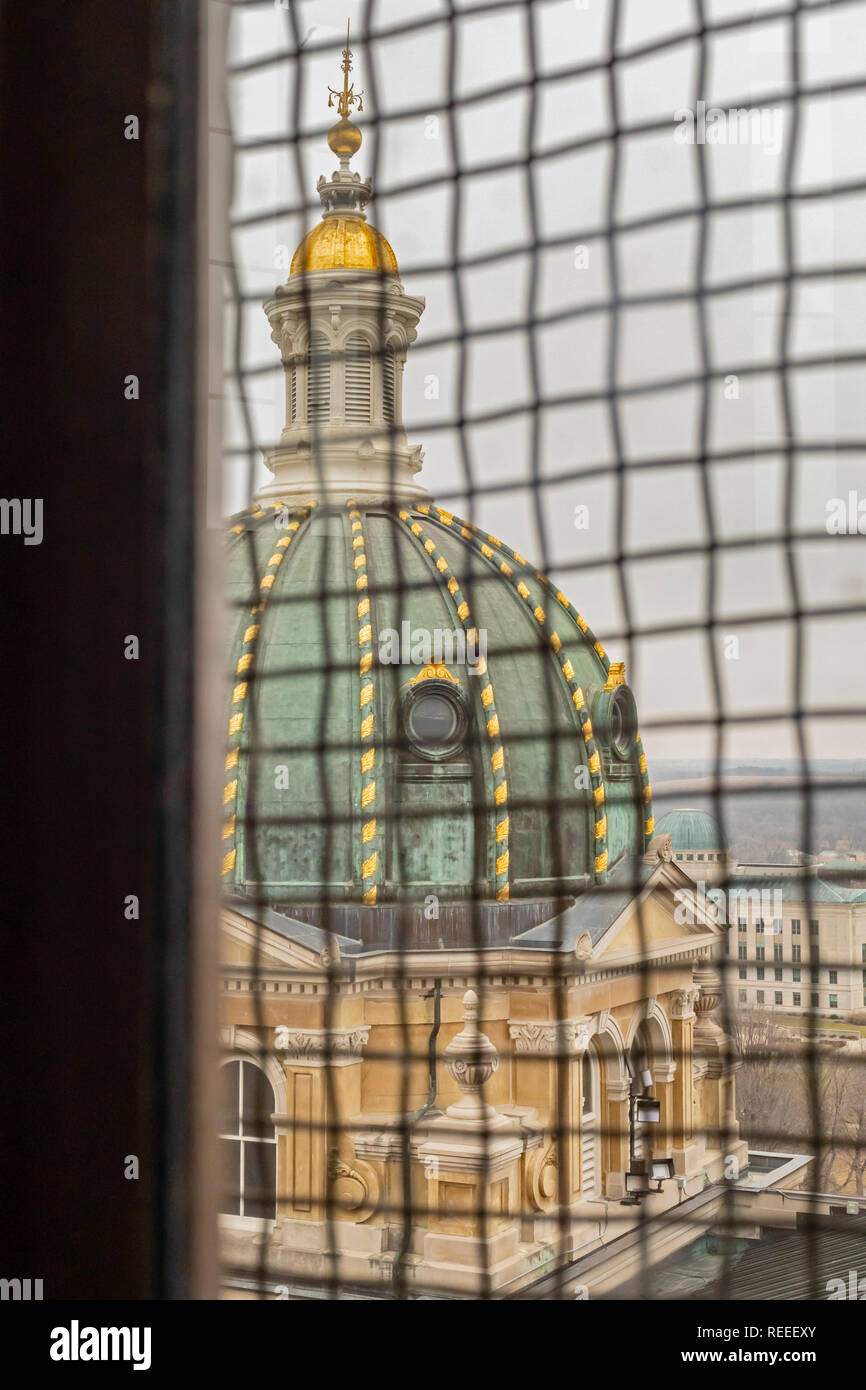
<point>497,1172</point>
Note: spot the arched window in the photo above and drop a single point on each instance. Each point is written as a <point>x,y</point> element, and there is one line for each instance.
<point>319,380</point>
<point>389,386</point>
<point>358,378</point>
<point>248,1141</point>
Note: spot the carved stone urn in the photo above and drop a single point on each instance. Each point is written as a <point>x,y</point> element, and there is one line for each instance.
<point>709,999</point>
<point>471,1059</point>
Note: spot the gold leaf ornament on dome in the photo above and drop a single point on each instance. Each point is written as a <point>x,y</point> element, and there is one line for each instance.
<point>434,672</point>
<point>348,97</point>
<point>345,138</point>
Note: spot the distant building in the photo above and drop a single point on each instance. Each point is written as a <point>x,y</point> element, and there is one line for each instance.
<point>810,955</point>
<point>696,842</point>
<point>797,930</point>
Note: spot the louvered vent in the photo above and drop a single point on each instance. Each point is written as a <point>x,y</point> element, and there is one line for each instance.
<point>293,392</point>
<point>319,382</point>
<point>389,386</point>
<point>358,380</point>
<point>589,1123</point>
<point>588,1150</point>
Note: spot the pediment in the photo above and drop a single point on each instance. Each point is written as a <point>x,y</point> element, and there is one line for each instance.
<point>668,910</point>
<point>247,942</point>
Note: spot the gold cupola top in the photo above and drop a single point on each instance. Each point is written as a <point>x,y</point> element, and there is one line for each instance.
<point>344,243</point>
<point>344,240</point>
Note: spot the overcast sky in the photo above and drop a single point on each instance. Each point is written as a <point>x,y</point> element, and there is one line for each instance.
<point>662,505</point>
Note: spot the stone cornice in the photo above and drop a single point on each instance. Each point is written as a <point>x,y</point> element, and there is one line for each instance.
<point>544,966</point>
<point>384,1144</point>
<point>487,1158</point>
<point>502,968</point>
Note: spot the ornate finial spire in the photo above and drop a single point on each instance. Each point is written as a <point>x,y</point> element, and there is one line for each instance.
<point>345,138</point>
<point>348,97</point>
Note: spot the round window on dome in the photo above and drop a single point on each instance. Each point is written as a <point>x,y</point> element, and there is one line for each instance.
<point>623,721</point>
<point>434,717</point>
<point>614,720</point>
<point>433,720</point>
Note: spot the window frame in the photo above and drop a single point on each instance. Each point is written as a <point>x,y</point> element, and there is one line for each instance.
<point>241,1220</point>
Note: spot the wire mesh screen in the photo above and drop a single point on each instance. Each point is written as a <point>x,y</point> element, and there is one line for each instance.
<point>526,995</point>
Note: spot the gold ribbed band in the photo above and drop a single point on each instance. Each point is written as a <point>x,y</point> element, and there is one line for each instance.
<point>370,857</point>
<point>242,691</point>
<point>488,702</point>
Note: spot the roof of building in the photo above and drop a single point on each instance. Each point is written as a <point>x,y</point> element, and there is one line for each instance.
<point>795,1267</point>
<point>291,928</point>
<point>691,829</point>
<point>804,887</point>
<point>594,912</point>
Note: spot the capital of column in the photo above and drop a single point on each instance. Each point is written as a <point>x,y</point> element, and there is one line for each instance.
<point>552,1037</point>
<point>618,1089</point>
<point>320,1047</point>
<point>683,1003</point>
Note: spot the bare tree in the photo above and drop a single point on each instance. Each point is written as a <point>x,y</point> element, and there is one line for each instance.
<point>842,1134</point>
<point>769,1085</point>
<point>799,1094</point>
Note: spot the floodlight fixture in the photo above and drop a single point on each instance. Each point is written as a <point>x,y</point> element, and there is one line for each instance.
<point>661,1169</point>
<point>647,1110</point>
<point>636,1186</point>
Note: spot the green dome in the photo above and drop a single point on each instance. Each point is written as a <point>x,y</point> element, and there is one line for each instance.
<point>381,782</point>
<point>691,829</point>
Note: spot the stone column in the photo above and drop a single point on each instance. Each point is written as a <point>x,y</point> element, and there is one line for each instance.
<point>580,1042</point>
<point>617,1141</point>
<point>664,1077</point>
<point>682,1028</point>
<point>303,1160</point>
<point>542,1047</point>
<point>713,1048</point>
